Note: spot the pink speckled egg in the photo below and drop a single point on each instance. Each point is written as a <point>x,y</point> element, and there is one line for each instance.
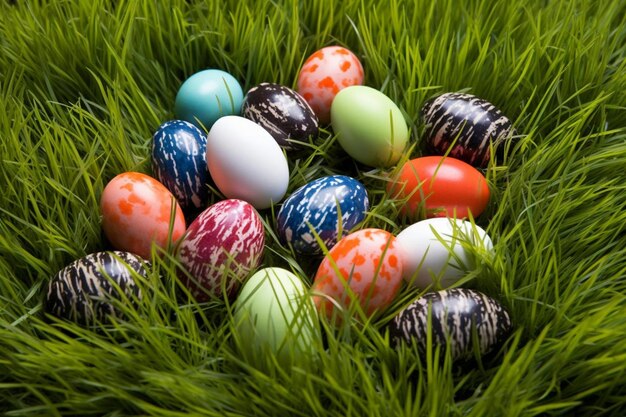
<point>222,245</point>
<point>136,211</point>
<point>324,74</point>
<point>369,263</point>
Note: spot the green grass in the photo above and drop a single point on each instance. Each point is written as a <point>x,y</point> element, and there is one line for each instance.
<point>83,85</point>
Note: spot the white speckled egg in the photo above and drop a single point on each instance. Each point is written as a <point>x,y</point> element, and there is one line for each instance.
<point>246,163</point>
<point>434,251</point>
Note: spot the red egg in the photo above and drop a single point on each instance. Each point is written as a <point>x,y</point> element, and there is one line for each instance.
<point>222,245</point>
<point>324,74</point>
<point>442,187</point>
<point>136,211</point>
<point>366,263</point>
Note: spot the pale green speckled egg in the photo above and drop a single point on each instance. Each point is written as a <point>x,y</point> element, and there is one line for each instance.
<point>274,314</point>
<point>369,125</point>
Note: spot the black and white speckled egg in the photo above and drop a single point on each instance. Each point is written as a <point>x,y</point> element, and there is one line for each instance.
<point>469,124</point>
<point>83,290</point>
<point>455,313</point>
<point>281,111</point>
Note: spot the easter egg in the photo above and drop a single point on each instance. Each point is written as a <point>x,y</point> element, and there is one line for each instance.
<point>221,246</point>
<point>282,112</point>
<point>435,250</point>
<point>274,314</point>
<point>324,74</point>
<point>456,315</point>
<point>136,211</point>
<point>206,96</point>
<point>468,124</point>
<point>246,163</point>
<point>179,162</point>
<point>435,186</point>
<point>364,266</point>
<point>317,208</point>
<point>369,125</point>
<point>83,291</point>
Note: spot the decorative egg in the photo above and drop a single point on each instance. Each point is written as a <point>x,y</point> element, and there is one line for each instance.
<point>316,208</point>
<point>282,112</point>
<point>369,126</point>
<point>246,163</point>
<point>455,315</point>
<point>435,250</point>
<point>179,162</point>
<point>222,245</point>
<point>324,74</point>
<point>364,267</point>
<point>467,123</point>
<point>83,291</point>
<point>136,212</point>
<point>208,95</point>
<point>436,186</point>
<point>274,314</point>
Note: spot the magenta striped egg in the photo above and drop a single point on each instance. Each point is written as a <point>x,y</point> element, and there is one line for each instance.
<point>221,246</point>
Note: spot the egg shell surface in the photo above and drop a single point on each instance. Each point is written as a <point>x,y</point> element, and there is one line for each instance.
<point>82,291</point>
<point>436,186</point>
<point>274,314</point>
<point>434,251</point>
<point>179,162</point>
<point>281,111</point>
<point>222,245</point>
<point>208,95</point>
<point>369,125</point>
<point>246,163</point>
<point>364,266</point>
<point>453,315</point>
<point>317,205</point>
<point>468,124</point>
<point>136,211</point>
<point>325,73</point>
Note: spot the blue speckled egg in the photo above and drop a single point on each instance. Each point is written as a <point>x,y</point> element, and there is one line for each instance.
<point>281,111</point>
<point>315,207</point>
<point>179,162</point>
<point>83,291</point>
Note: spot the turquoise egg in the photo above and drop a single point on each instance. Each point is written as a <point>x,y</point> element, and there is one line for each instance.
<point>208,95</point>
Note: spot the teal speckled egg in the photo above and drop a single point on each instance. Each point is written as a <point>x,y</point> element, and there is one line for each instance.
<point>208,95</point>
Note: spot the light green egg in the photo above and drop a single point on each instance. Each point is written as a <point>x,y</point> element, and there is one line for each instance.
<point>275,315</point>
<point>369,125</point>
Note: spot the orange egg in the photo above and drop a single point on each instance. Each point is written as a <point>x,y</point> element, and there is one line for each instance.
<point>136,211</point>
<point>436,186</point>
<point>364,266</point>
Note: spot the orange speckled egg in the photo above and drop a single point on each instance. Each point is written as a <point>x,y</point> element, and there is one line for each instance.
<point>136,211</point>
<point>369,263</point>
<point>324,74</point>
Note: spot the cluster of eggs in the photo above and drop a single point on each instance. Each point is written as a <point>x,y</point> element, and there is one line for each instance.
<point>244,154</point>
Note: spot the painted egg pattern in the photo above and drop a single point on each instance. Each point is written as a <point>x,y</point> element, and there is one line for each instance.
<point>318,204</point>
<point>369,262</point>
<point>136,212</point>
<point>282,112</point>
<point>473,124</point>
<point>324,74</point>
<point>455,312</point>
<point>222,245</point>
<point>179,162</point>
<point>83,290</point>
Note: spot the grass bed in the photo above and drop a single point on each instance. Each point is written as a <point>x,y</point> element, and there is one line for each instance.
<point>84,84</point>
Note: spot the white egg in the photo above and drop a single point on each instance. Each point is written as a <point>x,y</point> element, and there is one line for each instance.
<point>434,251</point>
<point>246,163</point>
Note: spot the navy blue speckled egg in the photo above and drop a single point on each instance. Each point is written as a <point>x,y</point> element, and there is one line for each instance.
<point>82,291</point>
<point>315,207</point>
<point>179,162</point>
<point>281,111</point>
